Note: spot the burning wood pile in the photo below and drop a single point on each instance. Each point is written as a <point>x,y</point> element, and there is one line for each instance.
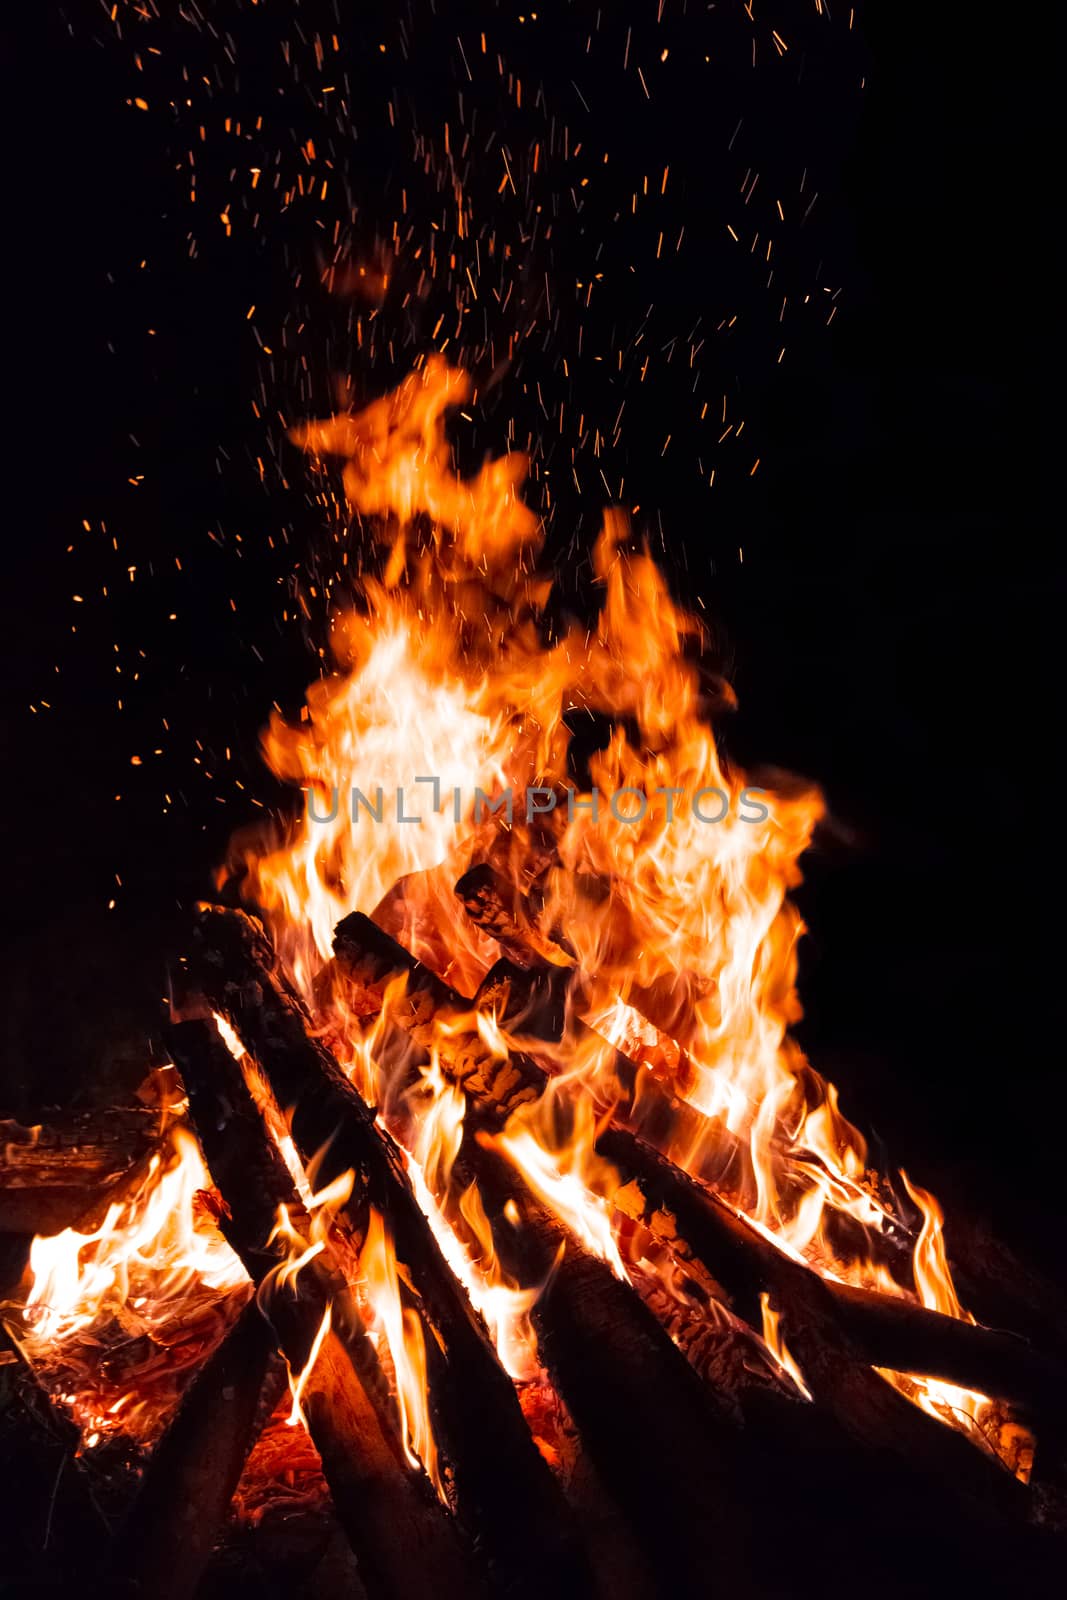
<point>485,1205</point>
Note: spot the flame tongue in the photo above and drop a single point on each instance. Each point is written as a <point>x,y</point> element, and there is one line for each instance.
<point>118,1317</point>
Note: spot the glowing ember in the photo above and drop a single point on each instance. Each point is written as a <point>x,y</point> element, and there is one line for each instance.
<point>117,1318</point>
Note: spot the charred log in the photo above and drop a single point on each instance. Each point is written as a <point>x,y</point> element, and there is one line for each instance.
<point>398,1530</point>
<point>865,1326</point>
<point>370,960</point>
<point>735,1262</point>
<point>51,1175</point>
<point>501,1489</point>
<point>644,1417</point>
<point>168,1538</point>
<point>1006,1289</point>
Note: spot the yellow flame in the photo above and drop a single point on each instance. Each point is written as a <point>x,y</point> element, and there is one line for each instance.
<point>402,1331</point>
<point>775,1342</point>
<point>298,1385</point>
<point>679,929</point>
<point>672,920</point>
<point>147,1253</point>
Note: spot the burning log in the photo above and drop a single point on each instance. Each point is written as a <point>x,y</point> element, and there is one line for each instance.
<point>488,906</point>
<point>501,1488</point>
<point>840,1331</point>
<point>398,1530</point>
<point>527,999</point>
<point>867,1410</point>
<point>873,1328</point>
<point>50,1175</point>
<point>635,1399</point>
<point>167,1540</point>
<point>877,1329</point>
<point>1008,1290</point>
<point>512,923</point>
<point>371,960</point>
<point>643,1415</point>
<point>867,1326</point>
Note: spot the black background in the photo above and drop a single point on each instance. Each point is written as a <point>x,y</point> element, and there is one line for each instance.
<point>892,631</point>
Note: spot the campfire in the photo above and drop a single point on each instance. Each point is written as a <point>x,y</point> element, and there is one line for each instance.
<point>480,1198</point>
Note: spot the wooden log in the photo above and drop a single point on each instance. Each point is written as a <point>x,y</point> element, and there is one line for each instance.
<point>79,1148</point>
<point>836,1357</point>
<point>1005,1288</point>
<point>369,958</point>
<point>431,1019</point>
<point>644,1417</point>
<point>884,1330</point>
<point>506,915</point>
<point>52,1174</point>
<point>862,1401</point>
<point>868,1327</point>
<point>400,1534</point>
<point>500,1488</point>
<point>369,961</point>
<point>167,1540</point>
<point>503,917</point>
<point>622,1442</point>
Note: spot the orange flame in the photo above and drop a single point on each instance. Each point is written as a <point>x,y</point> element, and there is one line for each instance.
<point>157,1271</point>
<point>147,1249</point>
<point>402,1332</point>
<point>298,1384</point>
<point>672,908</point>
<point>673,905</point>
<point>775,1342</point>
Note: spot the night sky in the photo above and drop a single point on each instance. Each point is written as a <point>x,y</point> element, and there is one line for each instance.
<point>843,451</point>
